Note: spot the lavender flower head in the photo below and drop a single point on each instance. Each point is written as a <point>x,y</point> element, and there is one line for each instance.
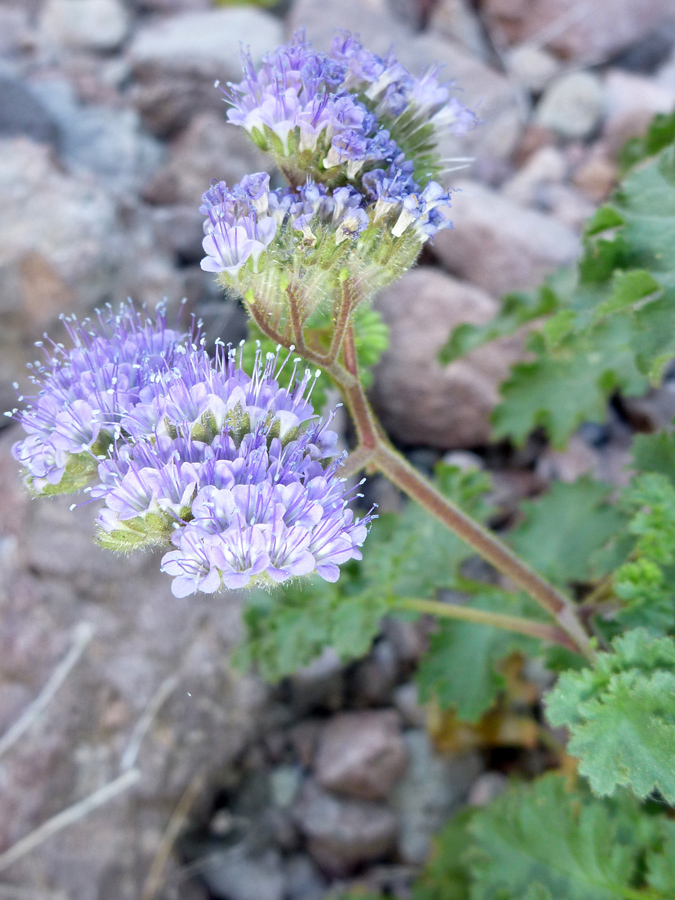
<point>234,472</point>
<point>348,108</point>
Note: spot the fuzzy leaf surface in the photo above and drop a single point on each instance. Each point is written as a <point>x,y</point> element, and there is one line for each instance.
<point>563,529</point>
<point>540,835</point>
<point>621,714</point>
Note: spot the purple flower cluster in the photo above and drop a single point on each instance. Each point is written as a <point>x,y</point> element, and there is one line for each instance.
<point>234,470</point>
<point>241,222</point>
<point>83,392</point>
<point>348,107</point>
<point>238,231</point>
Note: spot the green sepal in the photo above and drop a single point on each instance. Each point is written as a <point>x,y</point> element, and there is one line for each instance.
<point>139,533</point>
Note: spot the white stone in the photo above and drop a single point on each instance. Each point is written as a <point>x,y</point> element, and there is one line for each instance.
<point>532,67</point>
<point>372,20</point>
<point>431,790</point>
<point>580,31</point>
<point>456,19</point>
<point>546,166</point>
<point>573,105</point>
<point>204,40</point>
<point>85,24</point>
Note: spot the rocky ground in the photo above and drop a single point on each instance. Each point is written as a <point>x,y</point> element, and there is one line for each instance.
<point>110,130</point>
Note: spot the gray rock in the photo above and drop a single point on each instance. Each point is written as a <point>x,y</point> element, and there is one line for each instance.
<point>373,20</point>
<point>577,30</point>
<point>457,20</point>
<point>176,61</point>
<point>531,183</point>
<point>431,790</point>
<point>320,685</point>
<point>343,833</point>
<point>234,874</point>
<point>410,12</point>
<point>146,644</point>
<point>208,148</point>
<point>85,24</point>
<point>632,100</point>
<point>303,879</point>
<point>16,34</point>
<point>22,114</point>
<point>375,677</point>
<point>532,66</point>
<point>572,105</point>
<point>361,754</point>
<point>64,247</point>
<point>408,639</point>
<point>419,400</point>
<point>653,411</point>
<point>105,140</point>
<point>173,6</point>
<point>407,703</point>
<point>179,230</point>
<point>486,788</point>
<point>499,245</point>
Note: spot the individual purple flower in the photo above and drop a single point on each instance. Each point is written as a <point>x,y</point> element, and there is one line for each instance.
<point>237,227</point>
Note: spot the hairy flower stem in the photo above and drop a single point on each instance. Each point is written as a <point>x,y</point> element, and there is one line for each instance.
<point>375,451</point>
<point>392,464</point>
<point>520,625</point>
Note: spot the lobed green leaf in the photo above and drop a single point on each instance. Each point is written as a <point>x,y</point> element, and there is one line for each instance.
<point>621,714</point>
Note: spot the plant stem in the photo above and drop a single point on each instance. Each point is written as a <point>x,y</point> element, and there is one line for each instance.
<point>520,625</point>
<point>375,451</point>
<point>408,479</point>
<point>341,324</point>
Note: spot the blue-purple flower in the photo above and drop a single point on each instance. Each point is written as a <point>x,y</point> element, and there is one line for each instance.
<point>291,222</point>
<point>84,392</point>
<point>349,107</point>
<point>242,471</point>
<point>233,471</point>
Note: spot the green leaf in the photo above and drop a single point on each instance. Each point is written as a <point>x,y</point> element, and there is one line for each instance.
<point>628,288</point>
<point>447,875</point>
<point>561,391</point>
<point>655,453</point>
<point>661,861</point>
<point>517,310</point>
<point>563,529</point>
<point>604,218</point>
<point>538,892</point>
<point>660,134</point>
<point>621,714</point>
<point>418,557</point>
<point>541,836</point>
<point>651,498</point>
<point>286,631</point>
<point>458,648</point>
<point>406,555</point>
<point>612,328</point>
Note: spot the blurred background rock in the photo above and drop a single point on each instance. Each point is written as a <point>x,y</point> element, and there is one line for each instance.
<point>110,129</point>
